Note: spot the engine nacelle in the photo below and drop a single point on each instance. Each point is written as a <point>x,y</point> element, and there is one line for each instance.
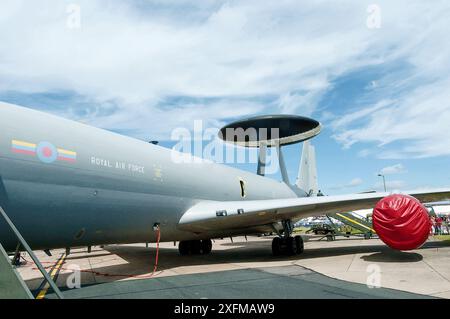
<point>401,222</point>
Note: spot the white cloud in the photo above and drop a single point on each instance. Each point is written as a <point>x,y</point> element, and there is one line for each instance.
<point>365,152</point>
<point>395,185</point>
<point>291,103</point>
<point>353,183</point>
<point>418,118</point>
<point>394,169</point>
<point>413,122</point>
<point>360,114</point>
<point>235,53</point>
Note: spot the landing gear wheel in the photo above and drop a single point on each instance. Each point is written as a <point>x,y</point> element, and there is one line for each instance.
<point>184,248</point>
<point>290,246</point>
<point>206,246</point>
<point>276,246</point>
<point>285,244</point>
<point>196,247</point>
<point>299,246</point>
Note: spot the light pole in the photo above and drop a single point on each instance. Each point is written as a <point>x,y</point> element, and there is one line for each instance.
<point>384,181</point>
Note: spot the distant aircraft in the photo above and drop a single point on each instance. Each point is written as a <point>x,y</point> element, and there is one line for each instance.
<point>66,184</point>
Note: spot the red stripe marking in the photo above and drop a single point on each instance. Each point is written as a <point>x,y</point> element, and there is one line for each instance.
<point>15,150</point>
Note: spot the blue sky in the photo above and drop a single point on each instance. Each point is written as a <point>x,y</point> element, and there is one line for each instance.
<point>143,68</point>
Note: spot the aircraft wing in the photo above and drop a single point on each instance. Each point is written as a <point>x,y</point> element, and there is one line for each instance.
<point>223,215</point>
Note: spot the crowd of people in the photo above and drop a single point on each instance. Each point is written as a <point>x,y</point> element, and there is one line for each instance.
<point>440,225</point>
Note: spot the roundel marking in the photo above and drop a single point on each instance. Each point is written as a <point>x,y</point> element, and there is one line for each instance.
<point>47,152</point>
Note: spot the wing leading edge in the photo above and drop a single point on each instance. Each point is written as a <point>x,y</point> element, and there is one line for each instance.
<point>222,215</point>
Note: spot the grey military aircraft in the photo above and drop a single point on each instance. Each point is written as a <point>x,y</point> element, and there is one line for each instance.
<point>66,184</point>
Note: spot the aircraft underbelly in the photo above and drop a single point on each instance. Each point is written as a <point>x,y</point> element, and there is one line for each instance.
<point>58,207</point>
<point>51,211</point>
<point>74,216</point>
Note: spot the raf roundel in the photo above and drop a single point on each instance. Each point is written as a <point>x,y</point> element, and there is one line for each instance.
<point>47,152</point>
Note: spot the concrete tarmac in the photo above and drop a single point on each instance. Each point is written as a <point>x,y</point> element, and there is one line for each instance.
<point>241,269</point>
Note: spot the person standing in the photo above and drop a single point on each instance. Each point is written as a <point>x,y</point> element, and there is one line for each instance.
<point>433,225</point>
<point>438,225</point>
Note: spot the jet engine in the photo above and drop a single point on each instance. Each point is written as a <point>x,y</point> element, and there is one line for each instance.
<point>401,222</point>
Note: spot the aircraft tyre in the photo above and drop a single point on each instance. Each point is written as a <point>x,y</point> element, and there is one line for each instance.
<point>196,247</point>
<point>276,246</point>
<point>184,248</point>
<point>206,246</point>
<point>299,246</point>
<point>288,246</point>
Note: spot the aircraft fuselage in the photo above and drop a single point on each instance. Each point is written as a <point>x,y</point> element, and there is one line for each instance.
<point>66,184</point>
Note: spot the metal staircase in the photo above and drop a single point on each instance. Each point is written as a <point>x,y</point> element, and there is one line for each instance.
<point>11,284</point>
<point>355,221</point>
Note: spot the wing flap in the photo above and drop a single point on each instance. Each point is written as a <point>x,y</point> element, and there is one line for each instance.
<point>222,215</point>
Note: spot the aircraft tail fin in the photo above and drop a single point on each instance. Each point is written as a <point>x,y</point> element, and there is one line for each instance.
<point>307,173</point>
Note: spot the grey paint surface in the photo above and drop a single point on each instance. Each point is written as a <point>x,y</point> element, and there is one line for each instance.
<point>96,200</point>
<point>286,282</point>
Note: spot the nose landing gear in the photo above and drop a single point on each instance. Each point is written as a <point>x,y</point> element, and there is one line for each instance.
<point>285,244</point>
<point>195,247</point>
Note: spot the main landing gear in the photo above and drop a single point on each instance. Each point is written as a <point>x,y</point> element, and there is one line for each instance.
<point>285,244</point>
<point>195,247</point>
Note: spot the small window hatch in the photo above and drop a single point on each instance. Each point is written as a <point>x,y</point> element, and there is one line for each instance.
<point>221,213</point>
